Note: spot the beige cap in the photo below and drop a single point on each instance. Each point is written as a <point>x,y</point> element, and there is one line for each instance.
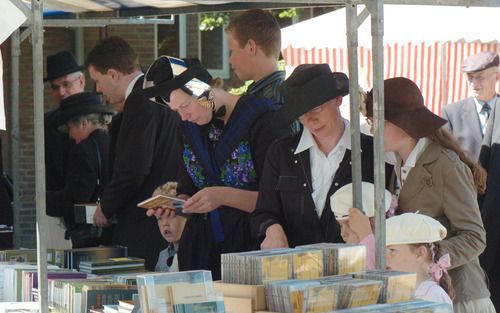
<point>411,228</point>
<point>341,201</point>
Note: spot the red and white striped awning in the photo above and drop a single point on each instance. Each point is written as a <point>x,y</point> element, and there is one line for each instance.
<point>434,65</point>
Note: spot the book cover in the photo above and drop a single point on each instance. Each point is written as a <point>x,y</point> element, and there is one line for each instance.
<point>164,201</point>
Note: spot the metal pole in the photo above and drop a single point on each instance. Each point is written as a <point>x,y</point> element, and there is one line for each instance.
<point>41,221</point>
<point>15,52</point>
<point>376,8</point>
<point>352,50</point>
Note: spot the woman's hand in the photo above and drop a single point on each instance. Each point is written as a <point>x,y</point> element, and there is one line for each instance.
<point>275,238</point>
<point>359,223</point>
<point>204,201</point>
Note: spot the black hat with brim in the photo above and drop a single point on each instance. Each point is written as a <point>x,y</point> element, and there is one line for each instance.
<point>309,86</point>
<point>79,104</point>
<point>60,64</point>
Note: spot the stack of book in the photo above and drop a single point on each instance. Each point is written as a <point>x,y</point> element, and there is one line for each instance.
<point>80,296</point>
<point>397,286</point>
<point>112,265</point>
<point>415,306</point>
<point>178,292</point>
<point>340,258</point>
<point>321,295</point>
<point>12,280</point>
<point>18,255</point>
<point>73,257</point>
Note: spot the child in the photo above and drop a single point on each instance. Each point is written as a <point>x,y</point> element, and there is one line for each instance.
<point>412,246</point>
<point>171,227</point>
<point>341,203</point>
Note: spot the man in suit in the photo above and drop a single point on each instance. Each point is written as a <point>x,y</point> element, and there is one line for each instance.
<point>65,78</point>
<point>467,119</point>
<point>490,160</point>
<point>143,148</point>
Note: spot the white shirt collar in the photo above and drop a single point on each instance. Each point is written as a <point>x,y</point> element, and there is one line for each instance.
<point>307,140</point>
<point>419,148</point>
<point>130,86</point>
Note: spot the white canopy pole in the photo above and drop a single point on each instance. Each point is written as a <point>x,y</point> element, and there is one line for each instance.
<point>41,219</point>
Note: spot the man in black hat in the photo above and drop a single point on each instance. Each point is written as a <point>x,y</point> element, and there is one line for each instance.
<point>66,78</point>
<point>467,119</point>
<point>302,171</point>
<point>143,148</point>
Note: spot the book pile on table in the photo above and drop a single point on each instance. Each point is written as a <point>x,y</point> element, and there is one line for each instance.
<point>305,262</point>
<point>414,306</point>
<point>112,265</point>
<point>30,281</point>
<point>321,295</point>
<point>178,292</point>
<point>73,257</point>
<point>397,286</point>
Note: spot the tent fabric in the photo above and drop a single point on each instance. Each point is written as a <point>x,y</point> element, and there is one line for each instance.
<point>433,61</point>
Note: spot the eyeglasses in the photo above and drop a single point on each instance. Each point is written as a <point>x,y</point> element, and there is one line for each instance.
<point>67,84</point>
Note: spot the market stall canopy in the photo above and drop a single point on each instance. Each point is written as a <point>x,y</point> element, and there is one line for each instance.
<point>424,43</point>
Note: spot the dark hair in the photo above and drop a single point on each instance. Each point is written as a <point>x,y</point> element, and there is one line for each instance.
<point>444,138</point>
<point>113,53</point>
<point>260,26</point>
<point>445,281</point>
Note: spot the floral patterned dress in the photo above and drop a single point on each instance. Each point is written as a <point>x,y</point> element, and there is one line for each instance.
<point>229,155</point>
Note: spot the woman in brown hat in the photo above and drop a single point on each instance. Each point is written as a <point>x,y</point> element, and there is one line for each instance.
<point>438,178</point>
<point>86,119</point>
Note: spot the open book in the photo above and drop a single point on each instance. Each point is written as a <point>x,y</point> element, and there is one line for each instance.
<point>162,201</point>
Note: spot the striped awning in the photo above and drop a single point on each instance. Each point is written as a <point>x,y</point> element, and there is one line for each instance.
<point>434,64</point>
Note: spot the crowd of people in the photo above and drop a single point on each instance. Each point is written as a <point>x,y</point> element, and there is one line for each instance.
<point>272,168</point>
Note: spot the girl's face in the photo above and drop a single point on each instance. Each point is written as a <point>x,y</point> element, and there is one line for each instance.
<point>394,137</point>
<point>347,233</point>
<point>188,108</point>
<point>402,258</point>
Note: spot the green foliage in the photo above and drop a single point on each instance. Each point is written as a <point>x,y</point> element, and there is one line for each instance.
<point>209,21</point>
<point>290,13</point>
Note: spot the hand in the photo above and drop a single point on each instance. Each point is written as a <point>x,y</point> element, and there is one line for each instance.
<point>204,201</point>
<point>275,238</point>
<point>99,218</point>
<point>359,223</point>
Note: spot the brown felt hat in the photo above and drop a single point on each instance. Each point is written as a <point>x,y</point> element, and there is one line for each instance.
<point>404,107</point>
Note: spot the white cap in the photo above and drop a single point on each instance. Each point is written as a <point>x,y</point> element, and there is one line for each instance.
<point>411,228</point>
<point>341,201</point>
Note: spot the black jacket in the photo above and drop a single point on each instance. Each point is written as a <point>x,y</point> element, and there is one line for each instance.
<point>143,155</point>
<point>81,179</point>
<point>285,193</point>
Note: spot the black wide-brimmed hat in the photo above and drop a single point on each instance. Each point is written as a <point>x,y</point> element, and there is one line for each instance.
<point>309,86</point>
<point>60,64</point>
<point>167,73</point>
<point>80,104</point>
<point>404,107</point>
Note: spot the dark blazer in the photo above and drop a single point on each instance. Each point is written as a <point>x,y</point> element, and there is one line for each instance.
<point>463,122</point>
<point>81,180</point>
<point>490,160</point>
<point>285,193</point>
<point>57,148</point>
<point>143,155</point>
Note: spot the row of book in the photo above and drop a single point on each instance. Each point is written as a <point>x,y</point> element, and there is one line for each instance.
<point>179,292</point>
<point>339,292</point>
<point>304,262</point>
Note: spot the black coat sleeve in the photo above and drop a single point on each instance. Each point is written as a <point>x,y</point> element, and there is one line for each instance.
<point>134,153</point>
<point>80,186</point>
<point>268,210</point>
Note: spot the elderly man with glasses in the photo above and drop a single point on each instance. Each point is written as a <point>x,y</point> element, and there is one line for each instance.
<point>66,78</point>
